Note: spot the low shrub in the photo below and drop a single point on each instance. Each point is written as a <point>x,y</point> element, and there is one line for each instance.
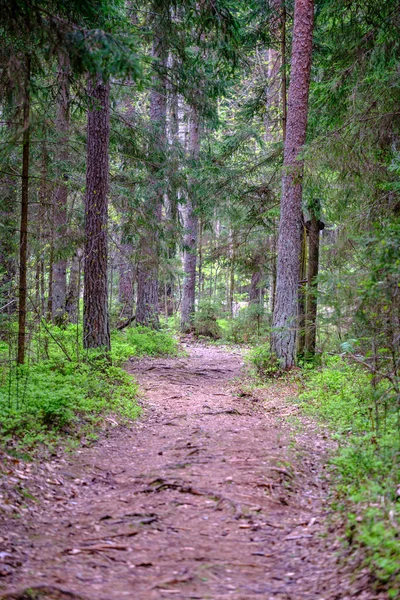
<point>205,320</point>
<point>366,466</point>
<point>44,401</point>
<point>149,342</point>
<point>265,363</point>
<point>67,390</point>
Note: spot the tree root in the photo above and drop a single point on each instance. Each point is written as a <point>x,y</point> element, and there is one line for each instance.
<point>42,592</point>
<point>162,484</point>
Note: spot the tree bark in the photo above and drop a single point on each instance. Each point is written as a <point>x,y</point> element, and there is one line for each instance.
<point>126,280</point>
<point>290,225</point>
<point>59,267</point>
<point>254,291</point>
<point>23,247</point>
<point>96,329</point>
<point>301,334</point>
<point>8,218</point>
<point>74,284</point>
<point>312,304</point>
<point>190,235</point>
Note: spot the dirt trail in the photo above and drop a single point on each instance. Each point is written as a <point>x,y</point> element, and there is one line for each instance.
<point>206,496</point>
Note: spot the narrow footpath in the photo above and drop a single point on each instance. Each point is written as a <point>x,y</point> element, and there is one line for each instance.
<point>210,495</point>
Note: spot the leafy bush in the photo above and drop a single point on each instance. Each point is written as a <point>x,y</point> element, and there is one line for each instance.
<point>366,465</point>
<point>148,342</point>
<point>266,364</point>
<point>205,320</point>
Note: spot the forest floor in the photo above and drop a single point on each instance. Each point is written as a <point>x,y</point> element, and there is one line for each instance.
<point>211,494</point>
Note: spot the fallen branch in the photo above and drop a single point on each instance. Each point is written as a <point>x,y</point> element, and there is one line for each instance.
<point>126,323</point>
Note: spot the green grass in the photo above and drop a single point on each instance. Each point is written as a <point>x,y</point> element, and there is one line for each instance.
<point>65,392</point>
<point>366,466</point>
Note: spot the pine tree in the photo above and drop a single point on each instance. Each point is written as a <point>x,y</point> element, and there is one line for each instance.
<point>290,224</point>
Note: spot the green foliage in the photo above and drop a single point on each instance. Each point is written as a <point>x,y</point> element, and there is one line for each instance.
<point>69,391</point>
<point>148,342</point>
<point>366,465</point>
<point>265,363</point>
<point>205,320</point>
<point>40,403</point>
<point>248,326</point>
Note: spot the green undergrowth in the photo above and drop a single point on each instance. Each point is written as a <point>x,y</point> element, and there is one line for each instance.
<point>147,342</point>
<point>249,325</point>
<point>366,492</point>
<point>263,362</point>
<point>64,393</point>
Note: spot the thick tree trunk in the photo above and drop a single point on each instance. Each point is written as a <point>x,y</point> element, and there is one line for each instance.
<point>290,225</point>
<point>23,244</point>
<point>283,69</point>
<point>313,264</point>
<point>276,78</point>
<point>96,330</point>
<point>190,236</point>
<point>59,268</point>
<point>147,309</point>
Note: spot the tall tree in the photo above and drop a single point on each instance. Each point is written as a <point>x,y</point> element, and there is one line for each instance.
<point>190,235</point>
<point>59,266</point>
<point>147,295</point>
<point>96,328</point>
<point>290,224</point>
<point>314,228</point>
<point>23,243</point>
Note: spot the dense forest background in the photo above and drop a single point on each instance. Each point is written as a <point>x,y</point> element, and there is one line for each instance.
<point>143,150</point>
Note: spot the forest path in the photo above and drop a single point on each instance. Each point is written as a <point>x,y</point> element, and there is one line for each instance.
<point>208,495</point>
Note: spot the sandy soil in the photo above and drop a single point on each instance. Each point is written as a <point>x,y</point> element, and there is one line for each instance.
<point>210,495</point>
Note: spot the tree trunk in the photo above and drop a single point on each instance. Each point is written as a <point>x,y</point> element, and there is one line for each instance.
<point>72,297</point>
<point>147,309</point>
<point>126,280</point>
<point>96,329</point>
<point>254,291</point>
<point>190,236</point>
<point>301,336</point>
<point>23,247</point>
<point>283,69</point>
<point>313,264</point>
<point>290,225</point>
<point>8,217</point>
<point>201,276</point>
<point>59,268</point>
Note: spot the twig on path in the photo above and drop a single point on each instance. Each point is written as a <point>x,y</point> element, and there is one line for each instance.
<point>113,535</point>
<point>228,411</point>
<point>282,471</point>
<point>96,548</point>
<point>163,484</point>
